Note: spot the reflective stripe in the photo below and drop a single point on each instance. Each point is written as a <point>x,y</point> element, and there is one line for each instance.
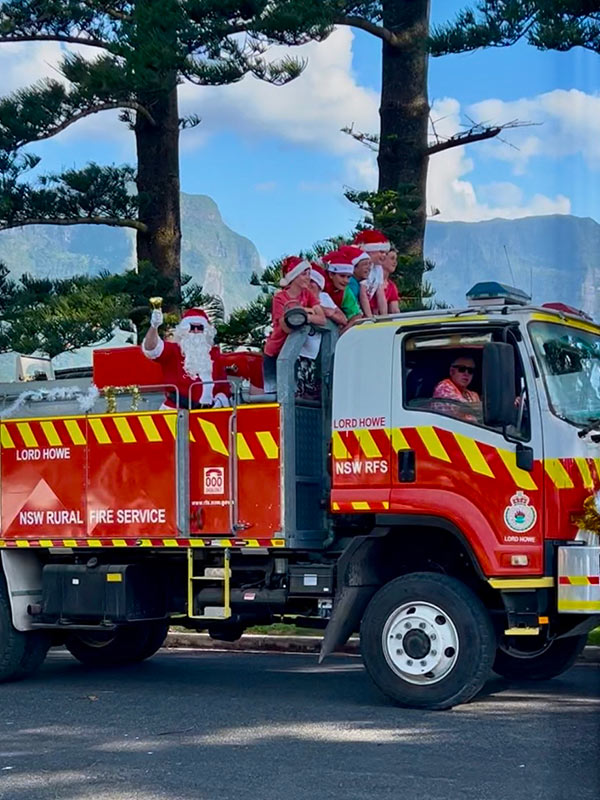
<point>473,454</point>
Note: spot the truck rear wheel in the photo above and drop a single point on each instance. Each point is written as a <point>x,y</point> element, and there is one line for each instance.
<point>526,659</point>
<point>427,641</point>
<point>126,645</point>
<point>21,652</point>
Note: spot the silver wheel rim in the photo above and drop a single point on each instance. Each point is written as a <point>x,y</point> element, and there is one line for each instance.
<point>420,643</point>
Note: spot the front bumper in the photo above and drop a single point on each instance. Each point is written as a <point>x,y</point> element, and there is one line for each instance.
<point>578,580</point>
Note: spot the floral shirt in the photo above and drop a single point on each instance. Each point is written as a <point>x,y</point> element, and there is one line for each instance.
<point>448,390</point>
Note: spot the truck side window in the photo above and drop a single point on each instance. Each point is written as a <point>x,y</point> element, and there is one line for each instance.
<point>442,375</point>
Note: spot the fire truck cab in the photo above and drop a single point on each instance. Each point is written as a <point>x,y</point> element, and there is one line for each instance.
<point>456,537</point>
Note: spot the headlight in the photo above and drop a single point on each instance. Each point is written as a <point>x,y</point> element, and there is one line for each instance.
<point>296,318</point>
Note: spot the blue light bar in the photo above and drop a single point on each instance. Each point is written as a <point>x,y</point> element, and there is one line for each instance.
<point>492,293</point>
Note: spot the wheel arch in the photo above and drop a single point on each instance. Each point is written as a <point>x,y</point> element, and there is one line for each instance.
<point>397,545</point>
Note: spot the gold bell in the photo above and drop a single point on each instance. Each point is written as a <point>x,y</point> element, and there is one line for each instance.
<point>156,302</point>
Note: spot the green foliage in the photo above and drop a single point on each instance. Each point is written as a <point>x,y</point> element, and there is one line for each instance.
<point>54,316</point>
<point>92,193</point>
<point>393,212</point>
<point>546,24</point>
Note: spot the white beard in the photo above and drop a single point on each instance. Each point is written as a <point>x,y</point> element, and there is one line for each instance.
<point>197,362</point>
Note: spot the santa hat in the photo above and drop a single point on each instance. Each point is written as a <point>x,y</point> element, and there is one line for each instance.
<point>292,266</point>
<point>317,274</point>
<point>356,254</point>
<point>372,241</point>
<point>339,262</point>
<point>194,316</point>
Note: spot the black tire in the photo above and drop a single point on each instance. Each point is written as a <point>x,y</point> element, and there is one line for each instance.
<point>462,670</point>
<point>21,652</point>
<point>519,662</point>
<point>37,645</point>
<point>157,633</point>
<point>126,645</point>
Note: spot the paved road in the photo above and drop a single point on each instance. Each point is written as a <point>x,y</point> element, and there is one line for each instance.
<point>225,726</point>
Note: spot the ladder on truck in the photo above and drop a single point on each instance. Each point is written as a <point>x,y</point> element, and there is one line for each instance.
<point>214,574</point>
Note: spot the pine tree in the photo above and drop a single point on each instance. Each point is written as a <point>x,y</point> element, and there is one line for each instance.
<point>546,24</point>
<point>141,50</point>
<point>403,145</point>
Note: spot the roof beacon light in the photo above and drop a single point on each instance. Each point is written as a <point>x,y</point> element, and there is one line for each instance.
<point>565,309</point>
<point>492,293</point>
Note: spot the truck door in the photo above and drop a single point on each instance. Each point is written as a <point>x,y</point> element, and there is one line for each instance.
<point>449,468</point>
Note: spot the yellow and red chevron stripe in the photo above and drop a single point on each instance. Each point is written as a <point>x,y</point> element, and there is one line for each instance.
<point>250,446</point>
<point>579,580</point>
<point>466,453</point>
<point>142,542</point>
<point>360,505</point>
<point>78,431</point>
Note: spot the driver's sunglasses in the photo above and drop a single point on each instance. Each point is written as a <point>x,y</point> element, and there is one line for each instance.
<point>198,328</point>
<point>463,368</point>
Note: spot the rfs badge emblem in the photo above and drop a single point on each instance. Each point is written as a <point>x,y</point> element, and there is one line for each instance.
<point>519,516</point>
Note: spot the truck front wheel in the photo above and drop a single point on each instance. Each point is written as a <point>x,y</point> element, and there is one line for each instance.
<point>427,641</point>
<point>126,645</point>
<point>525,658</point>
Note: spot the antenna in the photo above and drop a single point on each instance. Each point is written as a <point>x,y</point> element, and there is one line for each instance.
<point>512,277</point>
<point>531,280</point>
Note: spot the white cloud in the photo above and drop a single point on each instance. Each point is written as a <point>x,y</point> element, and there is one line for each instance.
<point>568,124</point>
<point>309,111</point>
<point>25,63</point>
<point>265,186</point>
<point>22,64</point>
<point>459,199</point>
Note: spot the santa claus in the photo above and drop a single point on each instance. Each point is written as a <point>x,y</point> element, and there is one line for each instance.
<point>189,361</point>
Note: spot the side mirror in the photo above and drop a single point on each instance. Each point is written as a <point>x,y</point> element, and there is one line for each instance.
<point>499,386</point>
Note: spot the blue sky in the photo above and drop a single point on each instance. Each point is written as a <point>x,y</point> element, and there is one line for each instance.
<point>276,164</point>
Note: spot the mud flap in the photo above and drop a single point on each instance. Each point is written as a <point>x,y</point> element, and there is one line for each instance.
<point>358,578</point>
<point>350,605</point>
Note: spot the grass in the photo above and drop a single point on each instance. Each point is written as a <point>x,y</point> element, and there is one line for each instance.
<point>281,629</point>
<point>594,637</point>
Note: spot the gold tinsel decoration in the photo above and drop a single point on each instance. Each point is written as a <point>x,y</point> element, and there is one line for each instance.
<point>110,394</point>
<point>589,520</point>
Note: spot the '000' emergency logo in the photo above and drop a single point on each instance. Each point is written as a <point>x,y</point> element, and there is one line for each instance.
<point>519,516</point>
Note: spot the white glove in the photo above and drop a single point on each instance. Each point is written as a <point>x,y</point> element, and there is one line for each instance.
<point>221,401</point>
<point>156,318</point>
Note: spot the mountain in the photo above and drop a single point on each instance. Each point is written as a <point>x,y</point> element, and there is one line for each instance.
<point>215,256</point>
<point>558,257</point>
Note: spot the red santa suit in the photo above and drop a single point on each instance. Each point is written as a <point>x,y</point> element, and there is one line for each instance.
<point>201,370</point>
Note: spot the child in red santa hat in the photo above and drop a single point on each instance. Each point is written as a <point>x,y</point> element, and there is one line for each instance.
<point>377,245</point>
<point>295,292</point>
<point>317,287</point>
<point>340,269</point>
<point>358,280</point>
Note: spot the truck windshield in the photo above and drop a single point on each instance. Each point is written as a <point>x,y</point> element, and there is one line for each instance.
<point>569,360</point>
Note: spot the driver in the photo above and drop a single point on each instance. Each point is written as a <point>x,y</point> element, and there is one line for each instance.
<point>455,388</point>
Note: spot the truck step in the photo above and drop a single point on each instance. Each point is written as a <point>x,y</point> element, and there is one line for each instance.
<point>214,572</point>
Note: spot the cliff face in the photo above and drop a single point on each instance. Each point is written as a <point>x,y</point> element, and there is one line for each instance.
<point>215,256</point>
<point>557,257</point>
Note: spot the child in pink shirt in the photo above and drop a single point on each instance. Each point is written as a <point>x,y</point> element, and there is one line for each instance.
<point>295,292</point>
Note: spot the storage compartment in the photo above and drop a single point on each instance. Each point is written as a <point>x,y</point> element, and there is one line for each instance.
<point>311,579</point>
<point>103,592</point>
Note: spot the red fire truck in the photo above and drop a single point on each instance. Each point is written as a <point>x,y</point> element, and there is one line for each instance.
<point>451,540</point>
